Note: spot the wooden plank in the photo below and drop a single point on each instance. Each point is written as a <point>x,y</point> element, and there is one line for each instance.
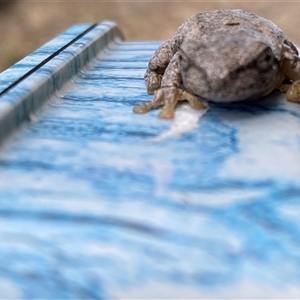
<point>95,205</point>
<point>20,102</point>
<point>33,60</point>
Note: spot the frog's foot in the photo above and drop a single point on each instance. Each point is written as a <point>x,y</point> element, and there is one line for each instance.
<point>153,81</point>
<point>283,88</point>
<point>168,98</point>
<point>293,92</point>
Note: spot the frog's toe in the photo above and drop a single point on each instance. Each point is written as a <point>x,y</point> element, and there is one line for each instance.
<point>168,97</point>
<point>145,107</point>
<point>142,109</point>
<point>157,101</point>
<point>163,97</point>
<point>167,113</point>
<point>293,92</point>
<point>193,100</point>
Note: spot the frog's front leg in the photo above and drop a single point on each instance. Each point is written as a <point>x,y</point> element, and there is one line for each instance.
<point>293,92</point>
<point>168,98</point>
<point>170,93</point>
<point>157,66</point>
<point>291,69</point>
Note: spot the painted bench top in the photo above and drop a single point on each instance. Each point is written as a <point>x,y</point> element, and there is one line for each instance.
<point>97,202</point>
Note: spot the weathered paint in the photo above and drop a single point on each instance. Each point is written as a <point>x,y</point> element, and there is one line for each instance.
<point>93,205</point>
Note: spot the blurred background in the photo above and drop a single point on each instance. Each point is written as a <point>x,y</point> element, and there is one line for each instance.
<point>26,25</point>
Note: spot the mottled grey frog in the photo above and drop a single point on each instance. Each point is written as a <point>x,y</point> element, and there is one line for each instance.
<point>221,56</point>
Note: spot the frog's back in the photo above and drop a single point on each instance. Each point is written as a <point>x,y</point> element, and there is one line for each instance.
<point>231,21</point>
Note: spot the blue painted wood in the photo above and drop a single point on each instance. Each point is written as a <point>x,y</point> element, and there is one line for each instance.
<point>96,202</point>
<point>25,65</point>
<point>18,103</point>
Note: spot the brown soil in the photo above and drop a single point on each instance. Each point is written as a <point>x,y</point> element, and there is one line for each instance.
<point>26,25</point>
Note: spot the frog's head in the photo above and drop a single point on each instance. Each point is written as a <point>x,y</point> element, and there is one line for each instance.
<point>229,67</point>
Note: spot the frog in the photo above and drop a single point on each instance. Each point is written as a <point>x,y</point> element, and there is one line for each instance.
<point>221,56</point>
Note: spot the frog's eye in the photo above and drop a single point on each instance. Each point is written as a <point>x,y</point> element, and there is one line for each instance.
<point>266,60</point>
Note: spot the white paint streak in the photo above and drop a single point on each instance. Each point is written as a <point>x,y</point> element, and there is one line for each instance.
<point>186,119</point>
<point>9,290</point>
<point>242,290</point>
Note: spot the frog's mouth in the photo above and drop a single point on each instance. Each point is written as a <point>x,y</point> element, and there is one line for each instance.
<point>232,70</point>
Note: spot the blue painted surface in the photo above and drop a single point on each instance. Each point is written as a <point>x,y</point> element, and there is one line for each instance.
<point>13,74</point>
<point>17,104</point>
<point>92,205</point>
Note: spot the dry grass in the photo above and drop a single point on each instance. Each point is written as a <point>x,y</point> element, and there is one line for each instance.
<point>26,25</point>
